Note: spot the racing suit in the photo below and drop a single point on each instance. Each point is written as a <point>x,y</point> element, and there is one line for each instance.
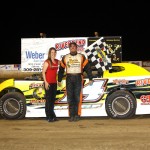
<point>74,64</point>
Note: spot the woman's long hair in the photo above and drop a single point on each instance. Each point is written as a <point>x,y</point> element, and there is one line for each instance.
<point>49,55</point>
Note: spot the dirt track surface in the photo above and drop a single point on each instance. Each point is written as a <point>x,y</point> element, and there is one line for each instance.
<point>87,134</point>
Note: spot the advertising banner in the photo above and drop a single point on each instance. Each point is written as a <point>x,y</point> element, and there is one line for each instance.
<point>115,43</point>
<point>145,63</point>
<point>34,51</point>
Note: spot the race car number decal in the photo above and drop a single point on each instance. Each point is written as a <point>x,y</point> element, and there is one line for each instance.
<point>91,93</point>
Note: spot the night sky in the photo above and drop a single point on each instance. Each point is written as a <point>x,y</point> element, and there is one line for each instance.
<point>110,18</point>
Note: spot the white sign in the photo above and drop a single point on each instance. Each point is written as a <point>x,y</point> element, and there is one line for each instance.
<point>34,50</point>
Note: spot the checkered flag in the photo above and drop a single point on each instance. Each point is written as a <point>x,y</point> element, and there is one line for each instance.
<point>100,48</point>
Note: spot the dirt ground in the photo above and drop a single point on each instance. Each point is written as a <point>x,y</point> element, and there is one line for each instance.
<point>101,133</point>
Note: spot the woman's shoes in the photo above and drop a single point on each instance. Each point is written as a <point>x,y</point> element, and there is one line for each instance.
<point>55,119</point>
<point>52,119</point>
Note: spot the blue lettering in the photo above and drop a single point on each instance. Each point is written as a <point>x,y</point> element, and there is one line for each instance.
<point>34,55</point>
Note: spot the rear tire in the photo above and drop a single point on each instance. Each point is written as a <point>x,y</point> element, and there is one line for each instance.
<point>121,105</point>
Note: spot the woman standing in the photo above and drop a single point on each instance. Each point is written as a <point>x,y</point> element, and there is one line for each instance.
<point>49,74</point>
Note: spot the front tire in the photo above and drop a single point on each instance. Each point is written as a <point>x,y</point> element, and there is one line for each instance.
<point>13,106</point>
<point>121,105</point>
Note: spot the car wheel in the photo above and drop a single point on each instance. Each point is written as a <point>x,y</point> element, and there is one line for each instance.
<point>13,105</point>
<point>120,105</point>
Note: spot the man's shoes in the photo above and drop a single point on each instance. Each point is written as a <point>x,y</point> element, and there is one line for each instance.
<point>77,118</point>
<point>71,119</point>
<point>74,118</point>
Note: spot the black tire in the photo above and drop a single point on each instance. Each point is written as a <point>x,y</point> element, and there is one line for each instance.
<point>13,106</point>
<point>121,105</point>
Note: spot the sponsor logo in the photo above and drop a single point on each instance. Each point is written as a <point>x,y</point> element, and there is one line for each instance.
<point>142,82</point>
<point>146,63</point>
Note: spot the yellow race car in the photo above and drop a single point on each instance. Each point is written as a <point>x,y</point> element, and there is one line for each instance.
<point>122,92</point>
